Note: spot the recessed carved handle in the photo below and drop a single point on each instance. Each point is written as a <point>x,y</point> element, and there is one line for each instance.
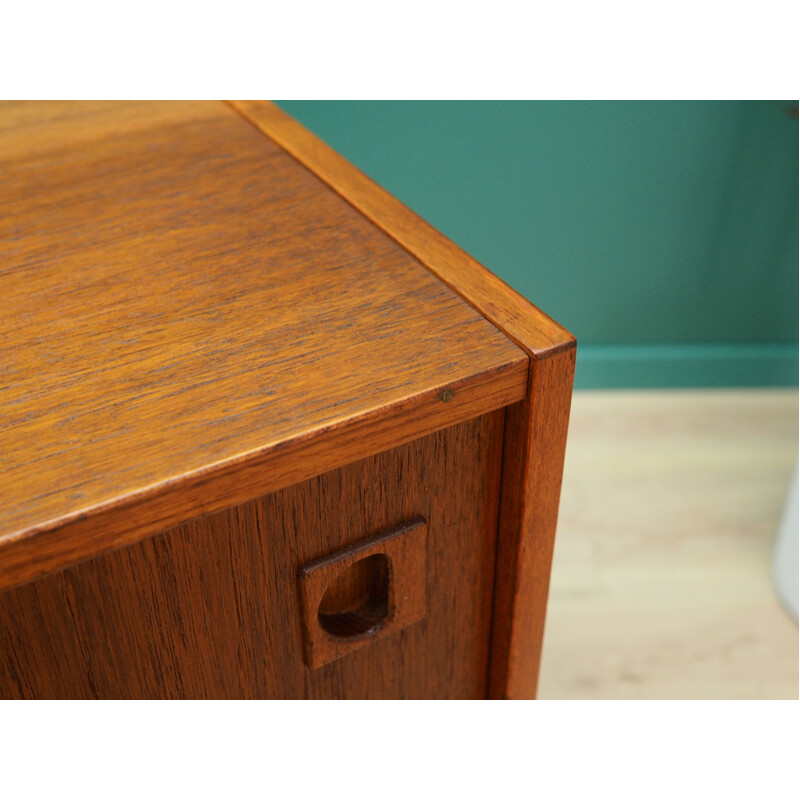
<point>363,592</point>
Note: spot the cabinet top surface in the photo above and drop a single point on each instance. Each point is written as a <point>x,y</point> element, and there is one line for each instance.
<point>178,292</point>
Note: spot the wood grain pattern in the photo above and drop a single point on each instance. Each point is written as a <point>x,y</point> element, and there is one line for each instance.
<point>527,325</point>
<point>210,609</point>
<point>348,602</point>
<point>191,320</point>
<point>533,465</point>
<point>536,428</point>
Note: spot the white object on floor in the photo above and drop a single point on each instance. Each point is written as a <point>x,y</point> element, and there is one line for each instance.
<point>787,552</point>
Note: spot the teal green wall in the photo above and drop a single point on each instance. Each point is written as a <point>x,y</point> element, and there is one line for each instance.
<point>662,234</point>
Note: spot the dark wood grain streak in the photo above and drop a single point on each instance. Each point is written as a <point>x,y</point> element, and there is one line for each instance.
<point>210,609</point>
<point>536,429</point>
<point>190,320</point>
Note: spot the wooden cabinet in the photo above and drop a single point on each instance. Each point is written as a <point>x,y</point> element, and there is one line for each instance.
<point>265,433</point>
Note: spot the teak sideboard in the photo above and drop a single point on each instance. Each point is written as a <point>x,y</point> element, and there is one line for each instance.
<point>265,433</point>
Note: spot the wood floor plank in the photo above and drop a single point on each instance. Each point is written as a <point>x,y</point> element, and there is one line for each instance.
<point>661,583</point>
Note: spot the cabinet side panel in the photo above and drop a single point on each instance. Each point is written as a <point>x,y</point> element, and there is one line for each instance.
<point>533,464</point>
<point>210,609</point>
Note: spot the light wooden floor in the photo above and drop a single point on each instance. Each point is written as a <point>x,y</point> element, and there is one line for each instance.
<point>661,584</point>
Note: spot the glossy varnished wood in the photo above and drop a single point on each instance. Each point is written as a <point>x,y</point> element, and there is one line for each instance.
<point>211,610</point>
<point>536,427</point>
<point>190,319</point>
